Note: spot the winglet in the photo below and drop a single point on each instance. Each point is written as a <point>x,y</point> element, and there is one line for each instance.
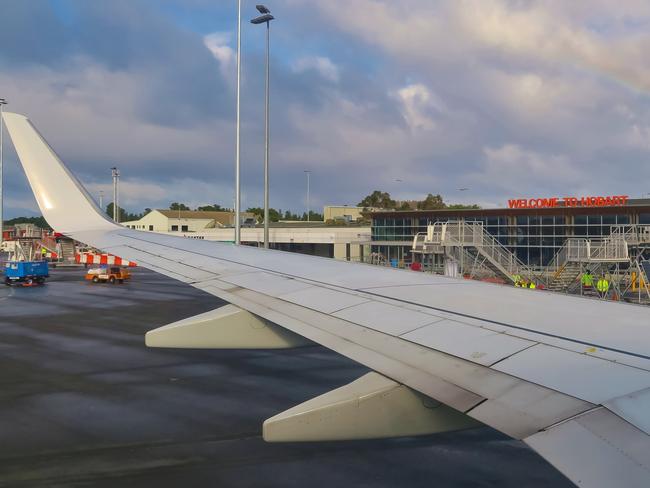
<point>65,204</point>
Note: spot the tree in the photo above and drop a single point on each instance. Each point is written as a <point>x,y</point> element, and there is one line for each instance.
<point>313,216</point>
<point>431,202</point>
<point>405,206</point>
<point>378,199</point>
<point>124,216</point>
<point>39,222</point>
<point>290,216</point>
<point>212,208</point>
<point>274,215</point>
<point>178,206</point>
<point>461,206</point>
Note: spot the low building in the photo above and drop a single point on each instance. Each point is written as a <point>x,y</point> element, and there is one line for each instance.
<point>348,241</point>
<point>533,230</point>
<point>186,220</point>
<point>342,212</point>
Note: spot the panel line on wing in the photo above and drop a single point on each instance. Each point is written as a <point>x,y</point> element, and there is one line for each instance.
<point>460,314</point>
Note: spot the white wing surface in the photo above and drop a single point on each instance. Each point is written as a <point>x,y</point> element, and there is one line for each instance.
<point>569,376</point>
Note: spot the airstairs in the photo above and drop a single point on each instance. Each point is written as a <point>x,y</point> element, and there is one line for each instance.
<point>565,277</point>
<point>579,254</point>
<point>68,251</point>
<point>15,251</point>
<point>469,241</point>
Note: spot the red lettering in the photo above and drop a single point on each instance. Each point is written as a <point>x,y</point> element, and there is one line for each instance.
<point>586,201</point>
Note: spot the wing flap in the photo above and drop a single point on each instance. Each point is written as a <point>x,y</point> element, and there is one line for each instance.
<point>597,449</point>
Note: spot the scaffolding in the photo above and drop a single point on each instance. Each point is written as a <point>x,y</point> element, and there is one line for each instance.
<point>476,250</point>
<point>622,258</point>
<point>619,258</point>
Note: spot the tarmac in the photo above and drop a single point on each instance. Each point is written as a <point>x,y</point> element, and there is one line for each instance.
<point>83,402</point>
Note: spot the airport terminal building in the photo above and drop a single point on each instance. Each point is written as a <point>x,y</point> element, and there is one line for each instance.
<point>532,229</point>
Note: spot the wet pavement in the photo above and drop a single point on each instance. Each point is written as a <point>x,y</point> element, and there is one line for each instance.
<point>84,403</point>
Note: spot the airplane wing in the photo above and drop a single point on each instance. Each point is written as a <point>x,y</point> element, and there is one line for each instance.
<point>567,375</point>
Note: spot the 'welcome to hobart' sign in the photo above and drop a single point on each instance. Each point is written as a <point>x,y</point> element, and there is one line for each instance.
<point>611,201</point>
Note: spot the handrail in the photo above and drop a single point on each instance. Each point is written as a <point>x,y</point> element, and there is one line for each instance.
<point>455,233</point>
<point>632,233</point>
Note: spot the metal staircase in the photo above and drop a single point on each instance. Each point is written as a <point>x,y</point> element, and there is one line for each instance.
<point>474,265</point>
<point>477,244</point>
<point>577,253</point>
<point>67,250</point>
<point>566,276</point>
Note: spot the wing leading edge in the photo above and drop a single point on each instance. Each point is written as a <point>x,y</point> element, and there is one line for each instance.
<point>453,341</point>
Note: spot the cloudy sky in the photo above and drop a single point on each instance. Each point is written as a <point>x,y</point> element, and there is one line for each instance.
<point>509,98</point>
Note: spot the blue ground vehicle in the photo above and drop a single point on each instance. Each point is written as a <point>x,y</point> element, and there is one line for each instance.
<point>26,273</point>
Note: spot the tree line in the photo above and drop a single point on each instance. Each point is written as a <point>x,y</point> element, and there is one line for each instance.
<point>383,200</point>
<point>377,199</point>
<point>275,215</point>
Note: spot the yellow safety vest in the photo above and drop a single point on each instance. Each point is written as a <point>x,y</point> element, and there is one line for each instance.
<point>602,285</point>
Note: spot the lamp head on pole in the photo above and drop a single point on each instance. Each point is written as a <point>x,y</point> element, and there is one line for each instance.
<point>265,17</point>
<point>262,19</point>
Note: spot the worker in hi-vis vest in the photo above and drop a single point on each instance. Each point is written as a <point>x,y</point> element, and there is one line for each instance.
<point>602,286</point>
<point>517,279</point>
<point>587,279</point>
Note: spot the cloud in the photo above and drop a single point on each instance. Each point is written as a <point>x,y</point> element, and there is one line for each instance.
<point>508,166</point>
<point>504,31</point>
<point>417,101</point>
<point>495,95</point>
<point>137,193</point>
<point>323,65</point>
<point>218,43</point>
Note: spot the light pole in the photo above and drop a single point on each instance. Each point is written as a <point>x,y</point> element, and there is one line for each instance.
<point>308,201</point>
<point>237,182</point>
<point>101,199</point>
<point>116,176</point>
<point>3,102</point>
<point>266,18</point>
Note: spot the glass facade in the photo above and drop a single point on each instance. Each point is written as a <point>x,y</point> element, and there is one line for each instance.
<point>534,239</point>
